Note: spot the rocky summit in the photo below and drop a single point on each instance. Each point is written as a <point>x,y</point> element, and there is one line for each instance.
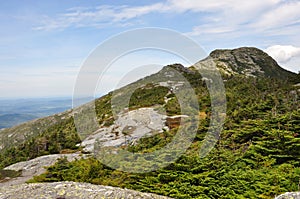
<point>248,61</point>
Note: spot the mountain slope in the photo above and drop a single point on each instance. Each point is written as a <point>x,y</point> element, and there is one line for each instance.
<point>257,156</point>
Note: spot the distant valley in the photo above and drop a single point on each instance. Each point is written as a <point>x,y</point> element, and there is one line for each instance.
<point>17,111</point>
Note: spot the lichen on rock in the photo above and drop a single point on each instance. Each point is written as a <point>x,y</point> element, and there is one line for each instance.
<point>71,190</point>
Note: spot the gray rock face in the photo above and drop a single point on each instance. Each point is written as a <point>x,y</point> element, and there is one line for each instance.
<point>71,190</point>
<point>17,189</point>
<point>289,195</point>
<point>129,127</point>
<point>235,62</point>
<point>249,62</point>
<point>35,167</point>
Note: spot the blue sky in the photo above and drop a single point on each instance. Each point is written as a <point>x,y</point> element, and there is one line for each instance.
<point>44,43</point>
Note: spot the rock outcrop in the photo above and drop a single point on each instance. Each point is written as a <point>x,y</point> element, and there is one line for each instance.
<point>249,62</point>
<point>35,167</point>
<point>128,127</point>
<point>289,195</point>
<point>71,190</point>
<point>16,188</point>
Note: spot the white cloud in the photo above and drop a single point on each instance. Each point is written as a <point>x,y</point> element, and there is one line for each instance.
<point>283,54</point>
<point>133,12</point>
<point>287,56</point>
<point>208,29</point>
<point>227,12</point>
<point>229,6</point>
<point>285,14</point>
<point>97,17</point>
<point>218,16</point>
<point>230,10</point>
<point>225,17</point>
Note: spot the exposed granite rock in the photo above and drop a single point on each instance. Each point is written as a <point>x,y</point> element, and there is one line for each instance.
<point>289,195</point>
<point>129,127</point>
<point>248,61</point>
<point>16,188</point>
<point>71,190</point>
<point>178,67</point>
<point>35,167</point>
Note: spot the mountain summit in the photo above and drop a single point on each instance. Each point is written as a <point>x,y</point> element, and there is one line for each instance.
<point>248,61</point>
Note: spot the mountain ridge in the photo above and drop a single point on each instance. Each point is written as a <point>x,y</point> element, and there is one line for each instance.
<point>260,133</point>
<point>223,60</point>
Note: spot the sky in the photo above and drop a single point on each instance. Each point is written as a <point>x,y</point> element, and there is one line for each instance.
<point>43,44</point>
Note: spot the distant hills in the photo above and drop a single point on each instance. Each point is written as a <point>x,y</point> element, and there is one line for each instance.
<point>17,111</point>
<point>9,120</point>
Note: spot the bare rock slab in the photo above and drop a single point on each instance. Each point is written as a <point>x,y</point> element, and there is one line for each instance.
<point>71,190</point>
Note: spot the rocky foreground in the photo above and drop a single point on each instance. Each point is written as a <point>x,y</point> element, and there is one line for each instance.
<point>16,188</point>
<point>35,167</point>
<point>70,190</point>
<point>289,195</point>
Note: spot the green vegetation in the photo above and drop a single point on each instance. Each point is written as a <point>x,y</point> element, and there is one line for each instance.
<point>148,95</point>
<point>61,137</point>
<point>55,139</point>
<point>257,156</point>
<point>6,174</point>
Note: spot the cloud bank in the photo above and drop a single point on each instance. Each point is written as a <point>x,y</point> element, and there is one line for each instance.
<point>283,54</point>
<point>216,16</point>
